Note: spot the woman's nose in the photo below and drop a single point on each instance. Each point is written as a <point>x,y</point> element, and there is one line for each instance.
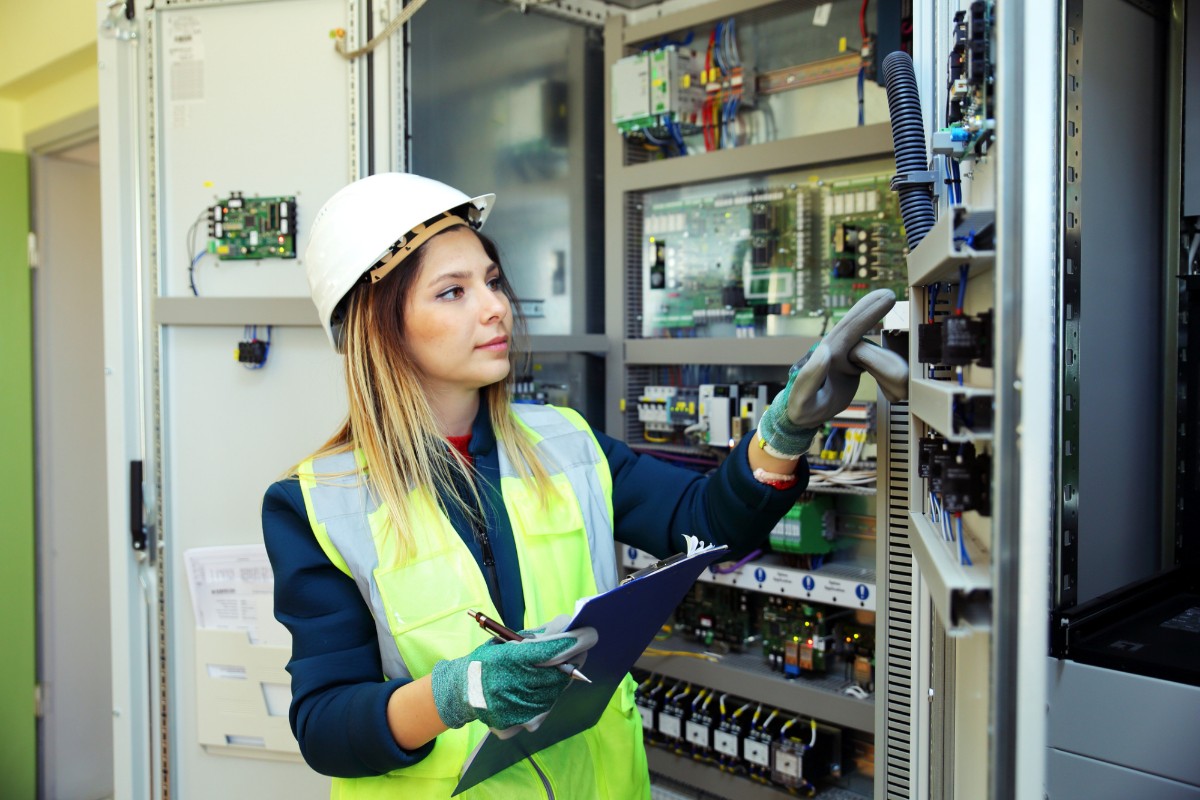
<point>496,307</point>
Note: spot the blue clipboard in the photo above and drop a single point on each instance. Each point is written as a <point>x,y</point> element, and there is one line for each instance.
<point>626,620</point>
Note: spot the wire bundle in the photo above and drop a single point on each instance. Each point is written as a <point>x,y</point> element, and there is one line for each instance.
<point>721,63</point>
<point>846,474</point>
<point>951,525</point>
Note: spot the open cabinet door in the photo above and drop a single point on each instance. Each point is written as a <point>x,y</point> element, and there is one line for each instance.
<point>202,103</point>
<point>132,578</point>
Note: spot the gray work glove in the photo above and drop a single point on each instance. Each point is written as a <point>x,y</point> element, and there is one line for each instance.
<point>510,685</point>
<point>823,383</point>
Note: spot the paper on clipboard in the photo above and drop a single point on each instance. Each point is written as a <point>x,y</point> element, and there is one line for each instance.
<point>626,620</point>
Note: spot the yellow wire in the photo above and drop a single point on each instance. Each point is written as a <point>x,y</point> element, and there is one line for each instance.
<point>654,652</point>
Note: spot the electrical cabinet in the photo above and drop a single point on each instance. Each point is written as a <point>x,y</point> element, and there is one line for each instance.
<point>724,264</point>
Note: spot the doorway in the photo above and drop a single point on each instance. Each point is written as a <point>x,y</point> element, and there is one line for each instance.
<point>75,748</point>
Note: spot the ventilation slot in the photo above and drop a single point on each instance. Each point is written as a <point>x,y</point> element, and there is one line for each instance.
<point>897,575</point>
<point>634,244</point>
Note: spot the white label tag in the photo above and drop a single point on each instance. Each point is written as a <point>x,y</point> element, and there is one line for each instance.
<point>725,743</point>
<point>758,753</point>
<point>669,725</point>
<point>697,733</point>
<point>787,763</point>
<point>647,717</point>
<point>821,15</point>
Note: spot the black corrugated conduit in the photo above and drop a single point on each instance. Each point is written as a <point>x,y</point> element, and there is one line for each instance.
<point>913,181</point>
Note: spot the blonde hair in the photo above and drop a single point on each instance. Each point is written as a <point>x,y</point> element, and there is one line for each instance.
<point>390,420</point>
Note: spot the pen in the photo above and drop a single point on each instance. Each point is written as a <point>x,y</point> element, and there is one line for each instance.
<point>657,565</point>
<point>509,635</point>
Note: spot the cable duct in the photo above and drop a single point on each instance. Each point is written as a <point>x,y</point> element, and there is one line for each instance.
<point>913,181</point>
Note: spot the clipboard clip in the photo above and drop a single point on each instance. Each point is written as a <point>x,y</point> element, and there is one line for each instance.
<point>657,565</point>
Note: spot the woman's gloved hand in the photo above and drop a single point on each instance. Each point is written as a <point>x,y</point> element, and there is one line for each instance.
<point>510,685</point>
<point>823,383</point>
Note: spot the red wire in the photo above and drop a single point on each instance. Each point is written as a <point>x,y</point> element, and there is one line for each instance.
<point>862,20</point>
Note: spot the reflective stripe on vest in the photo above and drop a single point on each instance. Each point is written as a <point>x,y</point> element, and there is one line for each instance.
<point>565,551</point>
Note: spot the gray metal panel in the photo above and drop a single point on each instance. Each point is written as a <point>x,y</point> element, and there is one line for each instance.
<point>75,742</point>
<point>1191,114</point>
<point>768,351</point>
<point>235,311</point>
<point>1120,365</point>
<point>244,105</point>
<point>480,127</point>
<point>747,675</point>
<point>1071,776</point>
<point>823,149</point>
<point>1142,723</point>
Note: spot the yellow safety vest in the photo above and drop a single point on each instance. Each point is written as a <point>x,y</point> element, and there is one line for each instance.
<point>565,552</point>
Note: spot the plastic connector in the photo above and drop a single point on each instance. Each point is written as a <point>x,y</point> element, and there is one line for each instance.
<point>253,352</point>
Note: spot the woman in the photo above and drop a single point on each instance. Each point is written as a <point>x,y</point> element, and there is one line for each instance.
<point>439,495</point>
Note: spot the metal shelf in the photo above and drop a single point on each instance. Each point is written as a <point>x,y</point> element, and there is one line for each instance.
<point>843,585</point>
<point>801,152</point>
<point>780,351</point>
<point>942,252</point>
<point>934,402</point>
<point>712,781</point>
<point>289,311</point>
<point>595,343</point>
<point>747,675</point>
<point>962,595</point>
<point>687,18</point>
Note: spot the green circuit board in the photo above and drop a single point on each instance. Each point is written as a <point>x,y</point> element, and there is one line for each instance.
<point>742,261</point>
<point>243,228</point>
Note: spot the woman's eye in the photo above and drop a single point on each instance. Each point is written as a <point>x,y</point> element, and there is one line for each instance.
<point>453,293</point>
<point>494,284</point>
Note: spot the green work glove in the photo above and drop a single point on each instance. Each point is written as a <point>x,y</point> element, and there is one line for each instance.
<point>823,383</point>
<point>509,685</point>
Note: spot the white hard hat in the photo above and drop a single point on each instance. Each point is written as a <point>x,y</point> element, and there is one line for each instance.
<point>371,226</point>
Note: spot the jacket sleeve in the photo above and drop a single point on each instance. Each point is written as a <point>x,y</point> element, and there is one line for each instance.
<point>339,698</point>
<point>656,503</point>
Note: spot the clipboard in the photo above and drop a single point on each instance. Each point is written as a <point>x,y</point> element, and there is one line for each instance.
<point>626,619</point>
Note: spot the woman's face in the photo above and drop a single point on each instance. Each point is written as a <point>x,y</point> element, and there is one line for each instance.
<point>456,317</point>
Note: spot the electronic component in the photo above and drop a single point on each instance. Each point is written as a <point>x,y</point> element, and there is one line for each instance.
<point>729,736</point>
<point>243,228</point>
<point>807,528</point>
<point>756,746</point>
<point>717,405</point>
<point>252,352</point>
<point>673,713</point>
<point>958,476</point>
<point>788,257</point>
<point>646,87</point>
<point>698,728</point>
<point>716,615</point>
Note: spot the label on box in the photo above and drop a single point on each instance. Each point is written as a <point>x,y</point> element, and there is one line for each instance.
<point>669,725</point>
<point>726,743</point>
<point>647,717</point>
<point>758,753</point>
<point>697,733</point>
<point>787,763</point>
<point>801,584</point>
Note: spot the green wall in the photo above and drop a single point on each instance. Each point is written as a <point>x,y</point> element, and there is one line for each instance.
<point>18,743</point>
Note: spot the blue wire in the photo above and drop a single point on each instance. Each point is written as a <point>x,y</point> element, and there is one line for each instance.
<point>962,286</point>
<point>957,184</point>
<point>652,138</point>
<point>717,47</point>
<point>963,556</point>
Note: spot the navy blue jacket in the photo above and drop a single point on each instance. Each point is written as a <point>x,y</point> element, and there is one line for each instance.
<point>339,702</point>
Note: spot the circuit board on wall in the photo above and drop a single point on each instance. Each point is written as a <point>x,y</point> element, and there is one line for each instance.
<point>243,228</point>
<point>784,258</point>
